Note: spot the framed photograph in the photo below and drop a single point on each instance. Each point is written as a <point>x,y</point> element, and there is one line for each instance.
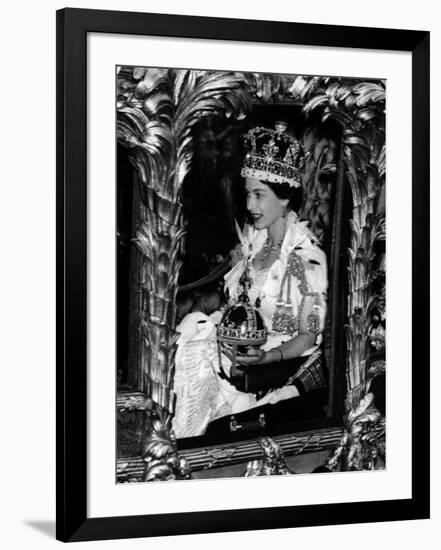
<point>240,207</point>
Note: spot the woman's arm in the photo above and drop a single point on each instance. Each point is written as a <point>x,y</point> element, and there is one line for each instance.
<point>309,328</point>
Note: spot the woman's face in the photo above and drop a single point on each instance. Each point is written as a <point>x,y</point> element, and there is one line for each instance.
<point>263,204</point>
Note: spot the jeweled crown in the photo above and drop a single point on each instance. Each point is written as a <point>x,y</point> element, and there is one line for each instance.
<point>273,155</point>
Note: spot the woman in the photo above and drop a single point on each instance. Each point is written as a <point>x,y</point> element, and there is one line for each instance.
<point>286,279</point>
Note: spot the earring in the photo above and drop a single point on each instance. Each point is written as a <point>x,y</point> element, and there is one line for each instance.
<point>284,212</point>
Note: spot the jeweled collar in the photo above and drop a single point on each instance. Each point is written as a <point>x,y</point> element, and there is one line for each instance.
<point>295,232</point>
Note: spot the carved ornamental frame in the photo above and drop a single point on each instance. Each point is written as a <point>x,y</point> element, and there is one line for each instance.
<point>156,111</point>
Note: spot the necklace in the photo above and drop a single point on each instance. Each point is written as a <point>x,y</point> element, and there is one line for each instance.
<point>268,248</point>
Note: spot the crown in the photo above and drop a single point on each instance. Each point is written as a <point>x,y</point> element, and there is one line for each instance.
<point>273,155</point>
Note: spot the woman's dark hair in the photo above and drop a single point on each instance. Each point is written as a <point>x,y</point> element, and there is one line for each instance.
<point>284,191</point>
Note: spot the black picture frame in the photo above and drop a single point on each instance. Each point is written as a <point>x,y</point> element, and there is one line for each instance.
<point>73,25</point>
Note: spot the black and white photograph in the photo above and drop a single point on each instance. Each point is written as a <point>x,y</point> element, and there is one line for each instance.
<point>251,274</point>
<point>219,329</point>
